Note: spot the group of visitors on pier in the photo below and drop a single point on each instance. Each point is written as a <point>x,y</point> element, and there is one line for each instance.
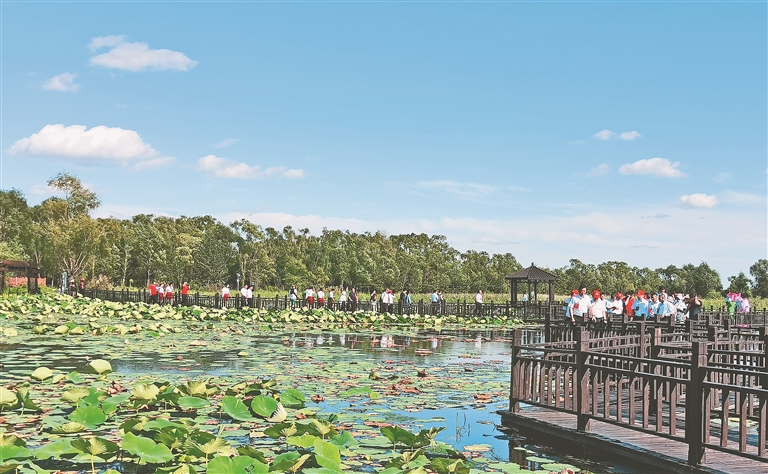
<point>583,308</point>
<point>162,293</point>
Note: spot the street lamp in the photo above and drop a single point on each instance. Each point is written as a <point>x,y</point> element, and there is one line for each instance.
<point>238,281</point>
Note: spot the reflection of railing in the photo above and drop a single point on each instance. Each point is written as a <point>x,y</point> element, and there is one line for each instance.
<point>665,385</point>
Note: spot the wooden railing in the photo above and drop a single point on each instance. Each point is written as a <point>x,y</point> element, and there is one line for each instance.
<point>532,312</point>
<point>667,385</point>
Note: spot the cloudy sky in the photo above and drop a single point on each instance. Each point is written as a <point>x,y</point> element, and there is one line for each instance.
<point>598,131</point>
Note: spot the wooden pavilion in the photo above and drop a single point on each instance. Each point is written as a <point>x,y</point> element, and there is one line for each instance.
<point>22,269</point>
<point>532,275</point>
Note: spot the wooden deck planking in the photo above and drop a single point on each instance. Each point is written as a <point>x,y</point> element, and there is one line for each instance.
<point>670,454</point>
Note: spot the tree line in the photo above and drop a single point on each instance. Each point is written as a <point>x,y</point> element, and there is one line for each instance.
<point>59,234</point>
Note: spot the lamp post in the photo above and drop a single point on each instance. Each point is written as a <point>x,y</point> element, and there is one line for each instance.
<point>238,281</point>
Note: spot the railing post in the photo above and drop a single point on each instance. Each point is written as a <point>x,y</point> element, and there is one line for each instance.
<point>421,307</point>
<point>582,379</point>
<point>547,325</point>
<point>197,298</point>
<point>694,405</point>
<point>516,372</point>
<point>216,300</point>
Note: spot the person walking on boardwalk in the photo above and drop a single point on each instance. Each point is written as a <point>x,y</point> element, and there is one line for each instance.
<point>353,299</point>
<point>293,295</point>
<point>185,294</point>
<point>479,303</point>
<point>373,300</point>
<point>570,304</point>
<point>343,300</point>
<point>169,293</point>
<point>581,306</point>
<point>225,295</point>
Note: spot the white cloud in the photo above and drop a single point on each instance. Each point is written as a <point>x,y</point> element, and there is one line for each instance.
<point>225,168</point>
<point>653,166</point>
<point>722,177</point>
<point>294,173</point>
<point>460,189</point>
<point>106,41</point>
<point>604,135</point>
<point>64,82</point>
<point>75,141</point>
<point>743,199</point>
<point>44,190</point>
<point>137,56</point>
<point>699,200</point>
<point>601,170</point>
<point>226,142</point>
<point>153,163</point>
<point>629,135</point>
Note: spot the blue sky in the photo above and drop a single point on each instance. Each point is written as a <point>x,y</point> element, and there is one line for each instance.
<point>631,131</point>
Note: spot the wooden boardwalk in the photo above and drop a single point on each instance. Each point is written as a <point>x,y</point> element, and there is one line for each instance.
<point>677,401</point>
<point>650,453</point>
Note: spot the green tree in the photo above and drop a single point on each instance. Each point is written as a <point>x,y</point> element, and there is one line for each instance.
<point>739,283</point>
<point>69,232</point>
<point>702,279</point>
<point>759,272</point>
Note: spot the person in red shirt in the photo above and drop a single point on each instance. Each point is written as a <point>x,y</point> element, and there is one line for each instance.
<point>630,301</point>
<point>152,292</point>
<point>184,293</point>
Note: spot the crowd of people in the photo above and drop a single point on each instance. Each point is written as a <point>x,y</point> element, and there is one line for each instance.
<point>162,293</point>
<point>582,307</point>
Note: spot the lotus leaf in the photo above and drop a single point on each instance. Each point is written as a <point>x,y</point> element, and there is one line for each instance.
<point>61,448</point>
<point>41,373</point>
<point>8,399</point>
<point>89,416</point>
<point>290,461</point>
<point>304,441</point>
<point>73,395</point>
<point>344,439</point>
<point>63,329</point>
<point>69,428</point>
<point>327,455</point>
<point>192,403</point>
<point>263,405</point>
<point>144,392</point>
<point>10,332</point>
<point>236,409</point>
<point>99,366</point>
<point>449,466</point>
<point>235,465</point>
<point>12,451</point>
<point>396,435</point>
<point>250,451</point>
<point>292,398</point>
<point>202,444</point>
<point>146,449</point>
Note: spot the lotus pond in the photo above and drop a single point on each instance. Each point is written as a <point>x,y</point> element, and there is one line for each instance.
<point>92,386</point>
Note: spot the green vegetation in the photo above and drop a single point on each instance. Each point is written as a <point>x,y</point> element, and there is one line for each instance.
<point>59,234</point>
<point>71,399</point>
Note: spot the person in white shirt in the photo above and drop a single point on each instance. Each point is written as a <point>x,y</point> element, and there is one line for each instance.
<point>581,305</point>
<point>616,307</point>
<point>225,295</point>
<point>320,297</point>
<point>244,291</point>
<point>597,308</point>
<point>479,303</point>
<point>249,295</point>
<point>343,300</point>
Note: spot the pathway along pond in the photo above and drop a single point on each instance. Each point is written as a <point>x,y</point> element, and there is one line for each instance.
<point>455,379</point>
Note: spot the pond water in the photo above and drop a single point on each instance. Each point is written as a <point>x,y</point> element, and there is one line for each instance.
<point>455,379</point>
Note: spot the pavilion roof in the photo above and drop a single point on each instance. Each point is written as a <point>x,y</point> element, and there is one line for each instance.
<point>532,273</point>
